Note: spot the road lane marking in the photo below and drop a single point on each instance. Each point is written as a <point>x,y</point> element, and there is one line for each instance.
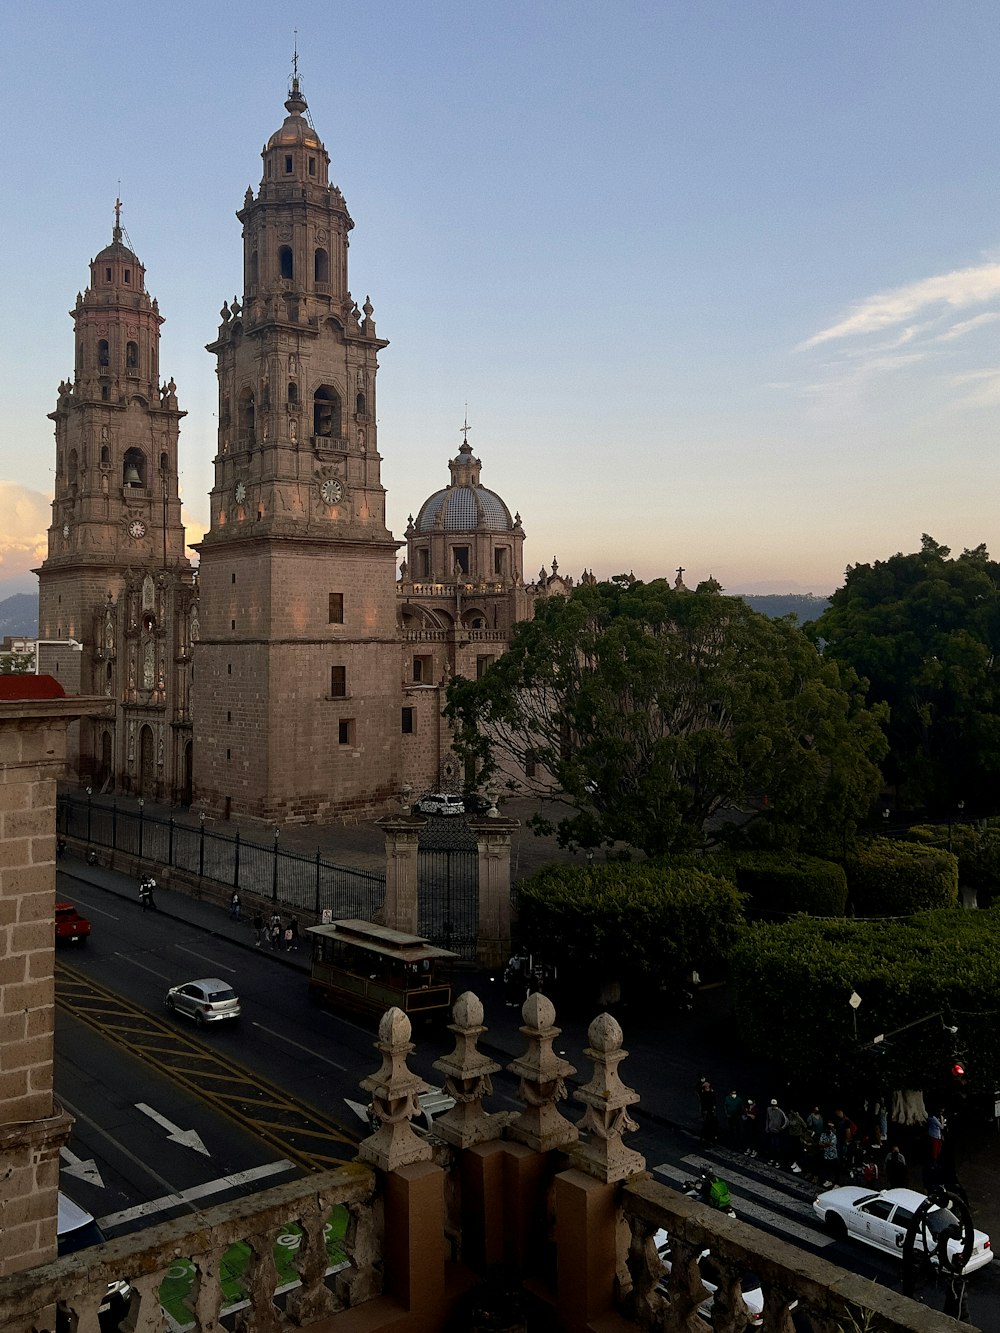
<point>755,1187</point>
<point>748,1210</point>
<point>287,1041</point>
<point>83,1170</point>
<point>151,970</point>
<point>195,954</point>
<point>218,1186</point>
<point>188,1138</point>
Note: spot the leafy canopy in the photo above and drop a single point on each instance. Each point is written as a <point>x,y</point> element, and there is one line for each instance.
<point>924,629</point>
<point>649,709</point>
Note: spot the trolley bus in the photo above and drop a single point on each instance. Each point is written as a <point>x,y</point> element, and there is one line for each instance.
<point>367,968</point>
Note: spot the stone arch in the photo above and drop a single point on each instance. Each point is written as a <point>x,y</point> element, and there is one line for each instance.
<point>326,412</point>
<point>134,468</point>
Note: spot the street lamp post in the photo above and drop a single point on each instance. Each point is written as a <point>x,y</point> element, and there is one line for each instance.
<point>141,804</point>
<point>274,869</point>
<point>90,792</point>
<point>201,844</point>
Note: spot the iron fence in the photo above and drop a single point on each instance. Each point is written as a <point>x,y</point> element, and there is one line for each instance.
<point>448,898</point>
<point>289,879</point>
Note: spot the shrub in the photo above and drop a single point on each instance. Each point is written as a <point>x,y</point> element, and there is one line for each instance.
<point>781,884</point>
<point>978,852</point>
<point>641,925</point>
<point>888,878</point>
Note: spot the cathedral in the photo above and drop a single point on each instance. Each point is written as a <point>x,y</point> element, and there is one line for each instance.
<point>299,672</point>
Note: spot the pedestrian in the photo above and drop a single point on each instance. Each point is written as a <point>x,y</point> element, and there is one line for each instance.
<point>258,928</point>
<point>288,939</point>
<point>733,1108</point>
<point>709,1113</point>
<point>293,931</point>
<point>847,1135</point>
<point>234,906</point>
<point>815,1124</point>
<point>775,1124</point>
<point>895,1169</point>
<point>798,1135</point>
<point>829,1149</point>
<point>274,930</point>
<point>751,1127</point>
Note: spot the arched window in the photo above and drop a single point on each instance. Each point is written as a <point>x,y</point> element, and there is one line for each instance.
<point>131,356</point>
<point>105,456</point>
<point>293,392</point>
<point>321,266</point>
<point>326,413</point>
<point>359,406</point>
<point>164,466</point>
<point>245,420</point>
<point>103,353</point>
<point>134,468</point>
<point>285,265</point>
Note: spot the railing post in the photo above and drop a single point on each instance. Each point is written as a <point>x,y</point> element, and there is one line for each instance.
<point>170,842</point>
<point>236,862</point>
<point>90,812</point>
<point>114,825</point>
<point>201,845</point>
<point>141,804</point>
<point>274,871</point>
<point>317,882</point>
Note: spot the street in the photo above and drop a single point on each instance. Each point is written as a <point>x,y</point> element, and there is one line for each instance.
<point>171,1118</point>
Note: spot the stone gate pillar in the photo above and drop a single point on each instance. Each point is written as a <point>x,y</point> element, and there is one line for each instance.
<point>493,834</point>
<point>34,717</point>
<point>400,908</point>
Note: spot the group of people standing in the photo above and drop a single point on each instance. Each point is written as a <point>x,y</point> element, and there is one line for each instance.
<point>829,1149</point>
<point>276,932</point>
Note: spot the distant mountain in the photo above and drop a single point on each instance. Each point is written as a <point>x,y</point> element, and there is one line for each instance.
<point>19,615</point>
<point>805,605</point>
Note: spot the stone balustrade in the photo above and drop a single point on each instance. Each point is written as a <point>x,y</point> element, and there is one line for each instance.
<point>562,1209</point>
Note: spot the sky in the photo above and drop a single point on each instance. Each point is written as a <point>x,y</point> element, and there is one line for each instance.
<point>719,282</point>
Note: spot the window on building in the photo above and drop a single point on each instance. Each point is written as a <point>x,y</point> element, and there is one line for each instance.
<point>359,405</point>
<point>103,352</point>
<point>423,670</point>
<point>128,275</point>
<point>336,608</point>
<point>288,164</point>
<point>286,264</point>
<point>321,266</point>
<point>530,763</point>
<point>134,468</point>
<point>107,275</point>
<point>105,456</point>
<point>482,665</point>
<point>338,682</point>
<point>460,559</point>
<point>500,561</point>
<point>131,356</point>
<point>423,563</point>
<point>105,394</point>
<point>345,731</point>
<point>312,166</point>
<point>326,413</point>
<point>293,392</point>
<point>246,417</point>
<point>408,727</point>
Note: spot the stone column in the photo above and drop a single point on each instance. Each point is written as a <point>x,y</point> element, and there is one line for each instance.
<point>401,835</point>
<point>493,834</point>
<point>34,716</point>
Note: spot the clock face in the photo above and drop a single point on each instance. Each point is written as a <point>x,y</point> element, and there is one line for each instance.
<point>137,529</point>
<point>241,492</point>
<point>332,491</point>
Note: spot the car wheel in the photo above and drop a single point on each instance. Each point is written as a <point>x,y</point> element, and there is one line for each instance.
<point>169,1002</point>
<point>836,1225</point>
<point>199,1018</point>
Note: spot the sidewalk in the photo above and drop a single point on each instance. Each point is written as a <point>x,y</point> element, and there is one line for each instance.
<point>666,1053</point>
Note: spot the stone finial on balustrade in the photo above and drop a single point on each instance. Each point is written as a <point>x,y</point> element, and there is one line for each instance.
<point>607,1099</point>
<point>467,1077</point>
<point>542,1074</point>
<point>395,1099</point>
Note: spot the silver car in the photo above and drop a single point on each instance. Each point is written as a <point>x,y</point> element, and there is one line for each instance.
<point>209,1000</point>
<point>440,803</point>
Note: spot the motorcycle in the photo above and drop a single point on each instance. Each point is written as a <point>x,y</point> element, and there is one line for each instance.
<point>146,886</point>
<point>710,1190</point>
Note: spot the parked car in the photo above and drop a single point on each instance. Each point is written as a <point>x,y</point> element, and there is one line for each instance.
<point>881,1220</point>
<point>750,1288</point>
<point>71,927</point>
<point>76,1229</point>
<point>440,803</point>
<point>209,1000</point>
<point>476,804</point>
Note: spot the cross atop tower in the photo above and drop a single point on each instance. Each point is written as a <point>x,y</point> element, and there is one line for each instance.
<point>117,233</point>
<point>465,426</point>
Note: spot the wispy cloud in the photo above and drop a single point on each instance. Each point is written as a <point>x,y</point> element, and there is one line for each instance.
<point>967,326</point>
<point>23,538</point>
<point>958,290</point>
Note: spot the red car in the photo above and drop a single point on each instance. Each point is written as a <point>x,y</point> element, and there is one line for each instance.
<point>70,925</point>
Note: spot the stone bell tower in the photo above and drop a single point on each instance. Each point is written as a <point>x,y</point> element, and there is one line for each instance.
<point>298,699</point>
<point>116,578</point>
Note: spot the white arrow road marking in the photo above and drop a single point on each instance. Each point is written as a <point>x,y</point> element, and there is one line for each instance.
<point>196,1192</point>
<point>76,1166</point>
<point>187,1137</point>
<point>359,1109</point>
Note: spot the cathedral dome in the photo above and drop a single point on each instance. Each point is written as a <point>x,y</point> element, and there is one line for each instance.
<point>296,131</point>
<point>464,506</point>
<point>117,251</point>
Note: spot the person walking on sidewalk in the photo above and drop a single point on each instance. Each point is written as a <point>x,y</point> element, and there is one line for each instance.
<point>258,928</point>
<point>733,1108</point>
<point>829,1148</point>
<point>274,930</point>
<point>775,1124</point>
<point>709,1114</point>
<point>292,935</point>
<point>751,1127</point>
<point>235,905</point>
<point>894,1167</point>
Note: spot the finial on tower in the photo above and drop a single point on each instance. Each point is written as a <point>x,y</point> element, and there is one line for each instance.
<point>296,103</point>
<point>116,235</point>
<point>465,426</point>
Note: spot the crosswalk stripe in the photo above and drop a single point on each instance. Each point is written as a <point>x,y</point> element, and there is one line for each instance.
<point>750,1211</point>
<point>755,1187</point>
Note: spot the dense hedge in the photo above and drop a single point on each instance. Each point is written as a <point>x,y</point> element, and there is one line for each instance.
<point>638,924</point>
<point>978,852</point>
<point>792,983</point>
<point>783,883</point>
<point>888,878</point>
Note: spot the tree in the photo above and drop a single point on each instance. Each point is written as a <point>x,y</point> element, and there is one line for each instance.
<point>924,630</point>
<point>16,664</point>
<point>648,710</point>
